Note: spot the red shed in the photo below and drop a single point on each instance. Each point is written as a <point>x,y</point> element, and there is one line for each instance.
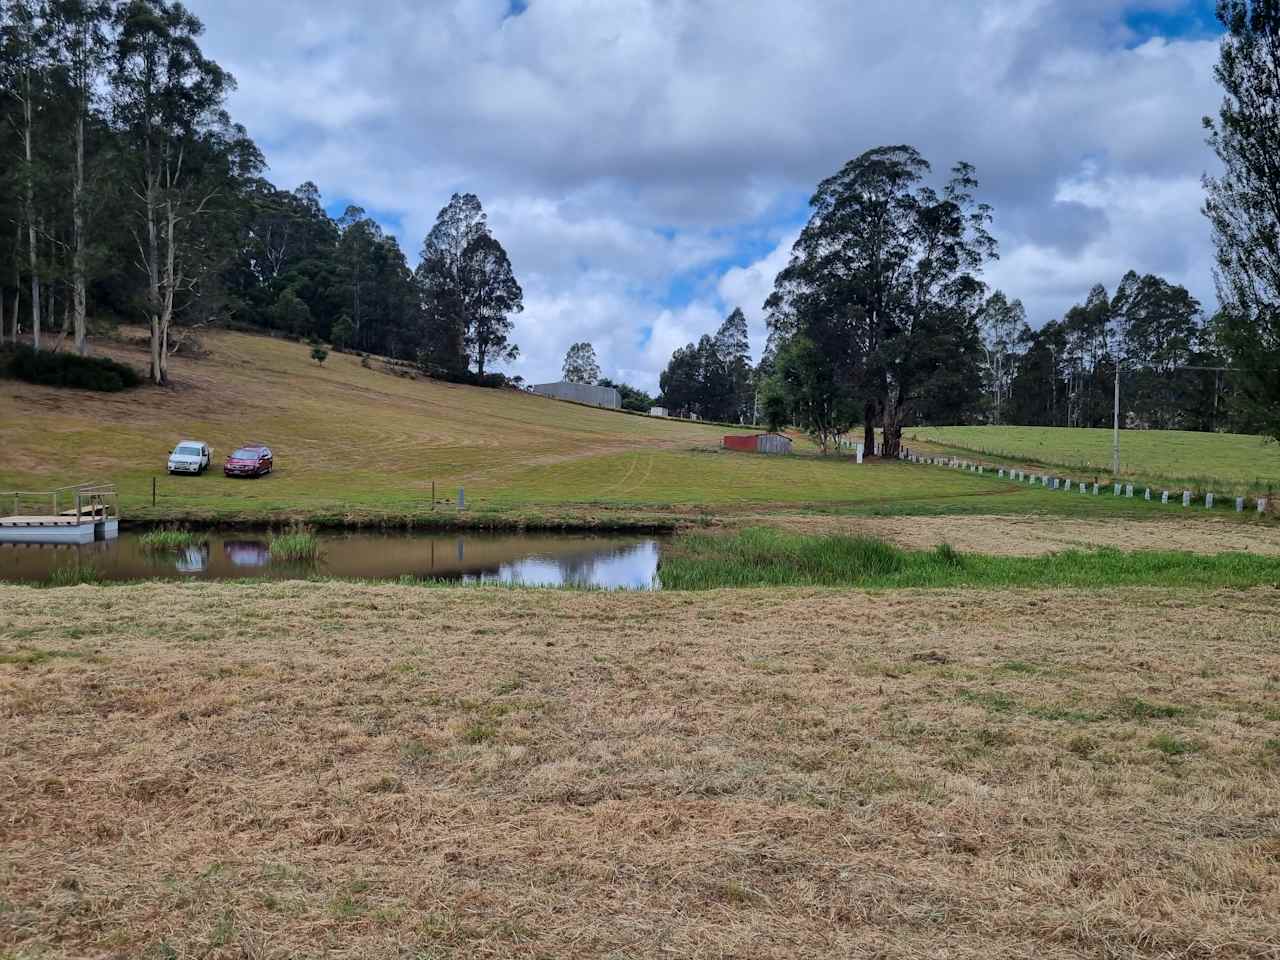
<point>759,443</point>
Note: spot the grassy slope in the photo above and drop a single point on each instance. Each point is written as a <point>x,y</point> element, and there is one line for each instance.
<point>765,774</point>
<point>360,443</point>
<point>1215,461</point>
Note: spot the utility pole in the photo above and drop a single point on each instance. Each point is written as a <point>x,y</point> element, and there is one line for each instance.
<point>1115,429</point>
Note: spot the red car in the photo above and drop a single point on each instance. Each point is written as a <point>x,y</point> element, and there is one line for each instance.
<point>253,460</point>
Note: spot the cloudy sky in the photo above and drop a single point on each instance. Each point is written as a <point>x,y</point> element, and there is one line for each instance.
<point>647,163</point>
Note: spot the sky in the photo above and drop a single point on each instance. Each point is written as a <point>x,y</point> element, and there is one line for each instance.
<point>647,163</point>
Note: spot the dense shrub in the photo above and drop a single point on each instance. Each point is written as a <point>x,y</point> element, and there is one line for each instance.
<point>450,375</point>
<point>67,370</point>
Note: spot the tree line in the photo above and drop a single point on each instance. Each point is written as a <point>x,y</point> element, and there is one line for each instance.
<point>128,192</point>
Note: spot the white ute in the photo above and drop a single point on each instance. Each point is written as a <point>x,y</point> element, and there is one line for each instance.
<point>189,456</point>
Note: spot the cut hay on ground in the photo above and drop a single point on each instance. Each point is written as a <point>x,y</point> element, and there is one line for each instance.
<point>319,769</point>
<point>1037,535</point>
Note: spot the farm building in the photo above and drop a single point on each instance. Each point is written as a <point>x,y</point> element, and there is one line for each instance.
<point>657,411</point>
<point>759,443</point>
<point>581,393</point>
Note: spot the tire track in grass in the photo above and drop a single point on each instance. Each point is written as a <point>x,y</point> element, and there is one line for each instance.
<point>648,471</point>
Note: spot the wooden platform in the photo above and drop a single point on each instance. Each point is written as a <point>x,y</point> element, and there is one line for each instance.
<point>77,514</point>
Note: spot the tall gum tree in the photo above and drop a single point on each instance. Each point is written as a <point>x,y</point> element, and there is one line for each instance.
<point>442,282</point>
<point>168,99</point>
<point>1243,202</point>
<point>884,279</point>
<point>81,49</point>
<point>25,53</point>
<point>492,295</point>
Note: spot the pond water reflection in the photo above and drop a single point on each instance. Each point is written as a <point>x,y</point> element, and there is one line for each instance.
<point>609,562</point>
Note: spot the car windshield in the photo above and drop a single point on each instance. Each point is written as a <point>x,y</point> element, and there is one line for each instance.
<point>187,450</point>
<point>245,453</point>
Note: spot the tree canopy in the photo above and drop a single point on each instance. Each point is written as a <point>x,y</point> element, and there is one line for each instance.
<point>580,364</point>
<point>713,379</point>
<point>1243,202</point>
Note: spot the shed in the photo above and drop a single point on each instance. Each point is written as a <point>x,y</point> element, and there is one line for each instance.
<point>759,443</point>
<point>581,393</point>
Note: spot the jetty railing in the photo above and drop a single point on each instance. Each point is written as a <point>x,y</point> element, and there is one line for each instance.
<point>80,502</point>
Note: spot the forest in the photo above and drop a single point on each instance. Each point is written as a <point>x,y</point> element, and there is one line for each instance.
<point>130,194</point>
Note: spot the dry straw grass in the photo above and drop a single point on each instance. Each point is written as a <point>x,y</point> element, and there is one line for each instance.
<point>1033,536</point>
<point>305,769</point>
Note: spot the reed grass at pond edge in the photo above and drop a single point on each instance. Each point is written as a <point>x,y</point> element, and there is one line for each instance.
<point>760,557</point>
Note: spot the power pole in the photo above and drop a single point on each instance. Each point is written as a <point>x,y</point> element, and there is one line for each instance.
<point>1115,430</point>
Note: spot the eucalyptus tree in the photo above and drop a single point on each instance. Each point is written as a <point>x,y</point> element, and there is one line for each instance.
<point>580,364</point>
<point>185,154</point>
<point>681,382</point>
<point>24,49</point>
<point>1158,331</point>
<point>733,354</point>
<point>492,295</point>
<point>441,280</point>
<point>884,278</point>
<point>81,48</point>
<point>1243,202</point>
<point>1002,321</point>
<point>806,385</point>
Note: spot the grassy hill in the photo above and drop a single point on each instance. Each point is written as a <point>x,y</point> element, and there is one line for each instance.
<point>359,443</point>
<point>1224,462</point>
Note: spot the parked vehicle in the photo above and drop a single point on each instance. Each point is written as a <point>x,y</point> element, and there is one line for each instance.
<point>252,460</point>
<point>190,456</point>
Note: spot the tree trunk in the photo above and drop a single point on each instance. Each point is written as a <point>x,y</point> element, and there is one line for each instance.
<point>32,256</point>
<point>891,442</point>
<point>153,281</point>
<point>77,256</point>
<point>17,280</point>
<point>170,287</point>
<point>869,429</point>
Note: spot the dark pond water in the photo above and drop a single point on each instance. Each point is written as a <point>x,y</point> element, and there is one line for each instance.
<point>610,562</point>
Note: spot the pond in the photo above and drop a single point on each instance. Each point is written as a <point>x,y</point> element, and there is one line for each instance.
<point>609,562</point>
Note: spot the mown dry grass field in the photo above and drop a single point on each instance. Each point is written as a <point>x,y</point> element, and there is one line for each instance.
<point>321,769</point>
<point>1032,536</point>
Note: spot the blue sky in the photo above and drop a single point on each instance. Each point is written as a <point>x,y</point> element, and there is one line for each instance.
<point>1195,20</point>
<point>647,162</point>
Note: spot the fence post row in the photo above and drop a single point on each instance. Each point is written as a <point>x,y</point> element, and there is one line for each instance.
<point>1009,473</point>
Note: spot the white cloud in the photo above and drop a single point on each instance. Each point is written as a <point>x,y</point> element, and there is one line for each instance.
<point>632,152</point>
